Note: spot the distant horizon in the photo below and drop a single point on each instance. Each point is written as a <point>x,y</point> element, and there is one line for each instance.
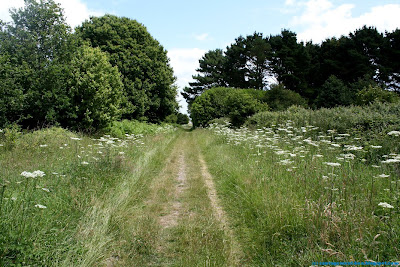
<point>187,31</point>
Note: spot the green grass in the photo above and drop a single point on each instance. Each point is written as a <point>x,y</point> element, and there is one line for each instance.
<point>85,182</point>
<point>291,208</point>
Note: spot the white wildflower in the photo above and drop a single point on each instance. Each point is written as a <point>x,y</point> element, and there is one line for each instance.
<point>43,145</point>
<point>38,173</point>
<point>383,175</point>
<point>385,205</point>
<point>333,164</point>
<point>85,163</point>
<point>391,161</point>
<point>40,206</point>
<point>75,138</point>
<point>46,189</point>
<point>28,174</point>
<point>395,133</point>
<point>376,146</point>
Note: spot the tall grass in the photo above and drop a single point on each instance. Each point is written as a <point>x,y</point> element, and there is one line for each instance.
<point>43,217</point>
<point>299,194</point>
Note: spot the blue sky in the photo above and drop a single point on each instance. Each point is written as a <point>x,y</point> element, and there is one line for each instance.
<point>188,29</point>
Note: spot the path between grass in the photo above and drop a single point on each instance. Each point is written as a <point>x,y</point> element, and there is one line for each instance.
<point>182,222</point>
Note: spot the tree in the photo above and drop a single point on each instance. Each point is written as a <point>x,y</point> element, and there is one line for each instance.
<point>391,60</point>
<point>279,98</point>
<point>37,47</point>
<point>147,76</point>
<point>334,93</point>
<point>247,62</point>
<point>182,119</point>
<point>237,104</point>
<point>95,91</point>
<point>211,74</point>
<point>372,94</point>
<point>290,62</point>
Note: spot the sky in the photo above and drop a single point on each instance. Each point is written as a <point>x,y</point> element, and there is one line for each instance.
<point>188,29</point>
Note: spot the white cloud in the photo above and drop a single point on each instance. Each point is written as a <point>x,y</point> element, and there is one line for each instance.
<point>5,7</point>
<point>201,37</point>
<point>75,11</point>
<point>184,62</point>
<point>320,19</point>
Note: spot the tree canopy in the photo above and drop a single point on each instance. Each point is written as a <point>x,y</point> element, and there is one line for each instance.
<point>109,68</point>
<point>147,76</point>
<point>325,75</point>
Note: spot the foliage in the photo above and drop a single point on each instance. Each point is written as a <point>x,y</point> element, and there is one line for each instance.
<point>370,121</point>
<point>182,119</point>
<point>211,74</point>
<point>237,104</point>
<point>147,76</point>
<point>371,94</point>
<point>334,93</point>
<point>120,129</point>
<point>35,50</point>
<point>304,68</point>
<point>279,98</point>
<point>95,91</point>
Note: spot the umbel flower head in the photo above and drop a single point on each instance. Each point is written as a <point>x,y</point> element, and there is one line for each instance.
<point>34,174</point>
<point>385,205</point>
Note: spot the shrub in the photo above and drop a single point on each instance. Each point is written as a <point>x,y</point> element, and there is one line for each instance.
<point>237,104</point>
<point>95,91</point>
<point>371,94</point>
<point>279,98</point>
<point>182,119</point>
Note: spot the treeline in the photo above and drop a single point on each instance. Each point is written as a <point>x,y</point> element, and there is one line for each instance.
<point>339,71</point>
<point>109,68</point>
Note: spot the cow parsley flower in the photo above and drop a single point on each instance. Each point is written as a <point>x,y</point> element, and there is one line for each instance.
<point>333,164</point>
<point>385,205</point>
<point>395,133</point>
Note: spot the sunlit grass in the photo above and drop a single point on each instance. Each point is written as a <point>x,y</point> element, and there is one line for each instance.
<point>54,184</point>
<point>298,194</point>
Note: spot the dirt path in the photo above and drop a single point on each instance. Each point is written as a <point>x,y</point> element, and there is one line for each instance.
<point>219,213</point>
<point>190,226</point>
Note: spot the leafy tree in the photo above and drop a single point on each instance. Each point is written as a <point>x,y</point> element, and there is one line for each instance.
<point>391,60</point>
<point>147,76</point>
<point>95,91</point>
<point>247,62</point>
<point>279,98</point>
<point>334,93</point>
<point>372,94</point>
<point>37,47</point>
<point>182,119</point>
<point>11,92</point>
<point>237,104</point>
<point>290,62</point>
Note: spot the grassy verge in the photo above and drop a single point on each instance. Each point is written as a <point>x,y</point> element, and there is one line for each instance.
<point>61,193</point>
<point>297,195</point>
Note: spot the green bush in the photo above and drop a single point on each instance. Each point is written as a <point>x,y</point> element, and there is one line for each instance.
<point>182,119</point>
<point>237,104</point>
<point>334,93</point>
<point>95,91</point>
<point>371,94</point>
<point>279,98</point>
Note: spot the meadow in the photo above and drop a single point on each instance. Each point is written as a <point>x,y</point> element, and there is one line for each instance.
<point>59,191</point>
<point>300,193</point>
<point>295,190</point>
